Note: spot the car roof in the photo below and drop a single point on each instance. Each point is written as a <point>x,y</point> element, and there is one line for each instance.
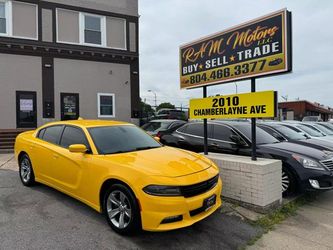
<point>89,123</point>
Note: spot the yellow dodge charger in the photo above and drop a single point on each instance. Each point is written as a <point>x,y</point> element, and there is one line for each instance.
<point>119,170</point>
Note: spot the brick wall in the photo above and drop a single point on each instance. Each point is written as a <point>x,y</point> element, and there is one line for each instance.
<point>255,183</point>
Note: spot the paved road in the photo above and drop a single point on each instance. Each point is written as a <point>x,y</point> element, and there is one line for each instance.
<point>311,228</point>
<point>43,218</point>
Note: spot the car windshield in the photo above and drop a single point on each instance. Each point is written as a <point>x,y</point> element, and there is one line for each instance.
<point>153,126</point>
<point>121,139</point>
<point>262,136</point>
<point>324,129</point>
<point>291,134</point>
<point>310,131</point>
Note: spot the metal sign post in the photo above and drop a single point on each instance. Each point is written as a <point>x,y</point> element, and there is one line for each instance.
<point>254,125</point>
<point>205,126</point>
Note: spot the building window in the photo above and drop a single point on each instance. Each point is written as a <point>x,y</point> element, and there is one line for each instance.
<point>106,105</point>
<point>92,29</point>
<point>3,22</point>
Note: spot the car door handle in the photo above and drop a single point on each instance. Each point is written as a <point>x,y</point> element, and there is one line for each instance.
<point>55,156</point>
<point>214,144</point>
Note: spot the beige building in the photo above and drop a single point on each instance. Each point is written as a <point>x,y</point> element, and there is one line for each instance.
<point>64,59</point>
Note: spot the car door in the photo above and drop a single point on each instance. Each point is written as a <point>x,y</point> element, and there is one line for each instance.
<point>43,150</point>
<point>221,142</point>
<point>69,168</point>
<point>191,137</point>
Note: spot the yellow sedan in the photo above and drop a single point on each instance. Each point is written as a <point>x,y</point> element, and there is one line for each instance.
<point>122,172</point>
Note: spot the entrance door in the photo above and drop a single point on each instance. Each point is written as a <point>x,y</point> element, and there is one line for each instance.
<point>26,109</point>
<point>69,106</point>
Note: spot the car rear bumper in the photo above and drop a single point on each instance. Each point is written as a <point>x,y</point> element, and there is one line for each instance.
<point>190,210</point>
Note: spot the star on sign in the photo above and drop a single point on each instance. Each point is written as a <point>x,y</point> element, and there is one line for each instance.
<point>232,58</point>
<point>200,66</point>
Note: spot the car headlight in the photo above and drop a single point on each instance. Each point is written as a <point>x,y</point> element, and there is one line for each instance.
<point>308,163</point>
<point>162,190</point>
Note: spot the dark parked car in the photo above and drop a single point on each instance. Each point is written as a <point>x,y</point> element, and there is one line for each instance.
<point>156,127</point>
<point>304,168</point>
<point>170,114</point>
<point>283,133</point>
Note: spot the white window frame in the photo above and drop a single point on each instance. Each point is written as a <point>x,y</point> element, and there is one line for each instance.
<point>125,33</point>
<point>57,26</point>
<point>8,16</point>
<point>99,105</point>
<point>82,29</point>
<point>9,19</point>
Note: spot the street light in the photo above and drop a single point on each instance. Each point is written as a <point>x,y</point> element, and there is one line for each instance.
<point>155,97</point>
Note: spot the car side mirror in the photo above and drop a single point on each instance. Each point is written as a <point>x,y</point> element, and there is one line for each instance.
<point>238,140</point>
<point>77,148</point>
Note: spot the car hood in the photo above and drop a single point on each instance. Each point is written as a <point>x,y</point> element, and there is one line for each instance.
<point>294,148</point>
<point>163,161</point>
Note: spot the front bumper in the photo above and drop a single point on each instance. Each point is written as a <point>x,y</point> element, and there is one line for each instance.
<point>317,180</point>
<point>155,209</point>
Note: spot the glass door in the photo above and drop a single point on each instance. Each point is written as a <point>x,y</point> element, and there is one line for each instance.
<point>26,109</point>
<point>69,106</point>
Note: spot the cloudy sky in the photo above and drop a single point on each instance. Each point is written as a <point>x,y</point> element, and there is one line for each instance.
<point>166,24</point>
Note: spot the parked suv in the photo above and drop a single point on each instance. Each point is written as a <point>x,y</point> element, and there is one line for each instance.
<point>303,168</point>
<point>171,114</point>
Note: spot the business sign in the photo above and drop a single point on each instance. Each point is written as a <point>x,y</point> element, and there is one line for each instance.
<point>249,105</point>
<point>257,48</point>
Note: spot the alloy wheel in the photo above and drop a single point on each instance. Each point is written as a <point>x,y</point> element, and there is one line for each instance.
<point>25,170</point>
<point>119,209</point>
<point>285,181</point>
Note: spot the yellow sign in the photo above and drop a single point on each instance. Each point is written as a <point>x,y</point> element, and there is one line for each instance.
<point>249,105</point>
<point>260,47</point>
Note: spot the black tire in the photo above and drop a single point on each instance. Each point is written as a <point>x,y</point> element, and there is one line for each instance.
<point>130,224</point>
<point>26,171</point>
<point>290,187</point>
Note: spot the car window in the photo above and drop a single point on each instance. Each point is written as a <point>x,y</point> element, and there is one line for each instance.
<point>183,129</point>
<point>176,124</point>
<point>269,131</point>
<point>195,129</point>
<point>262,136</point>
<point>72,135</point>
<point>121,139</point>
<point>41,133</point>
<point>52,134</point>
<point>310,131</point>
<point>290,133</point>
<point>323,129</point>
<point>222,133</point>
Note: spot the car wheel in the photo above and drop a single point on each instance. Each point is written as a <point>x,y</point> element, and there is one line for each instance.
<point>121,210</point>
<point>26,171</point>
<point>288,182</point>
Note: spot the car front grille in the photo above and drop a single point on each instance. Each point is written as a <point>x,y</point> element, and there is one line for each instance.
<point>199,188</point>
<point>328,164</point>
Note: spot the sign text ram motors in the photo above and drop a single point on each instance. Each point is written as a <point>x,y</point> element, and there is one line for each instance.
<point>256,48</point>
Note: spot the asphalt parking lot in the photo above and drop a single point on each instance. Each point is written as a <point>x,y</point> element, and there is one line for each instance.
<point>43,218</point>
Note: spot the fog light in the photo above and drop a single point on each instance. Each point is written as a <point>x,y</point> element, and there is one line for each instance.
<point>314,184</point>
<point>172,219</point>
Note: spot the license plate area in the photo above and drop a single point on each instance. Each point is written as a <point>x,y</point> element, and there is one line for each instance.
<point>209,202</point>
